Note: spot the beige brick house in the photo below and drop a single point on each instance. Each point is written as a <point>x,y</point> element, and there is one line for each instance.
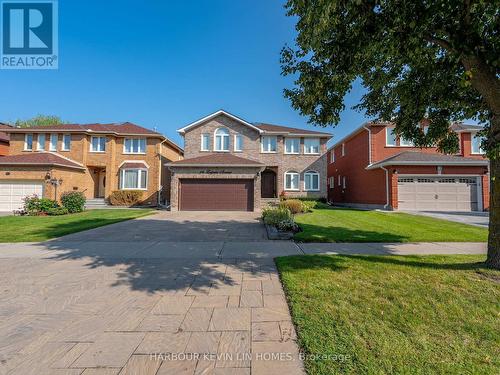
<point>232,164</point>
<point>95,159</point>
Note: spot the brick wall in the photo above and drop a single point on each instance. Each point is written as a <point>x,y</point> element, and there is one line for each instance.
<point>252,150</point>
<point>110,160</point>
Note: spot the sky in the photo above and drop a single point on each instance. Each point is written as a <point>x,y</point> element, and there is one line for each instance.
<point>165,64</point>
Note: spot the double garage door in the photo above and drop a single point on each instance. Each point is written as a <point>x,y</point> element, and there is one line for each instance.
<point>216,195</point>
<point>438,193</point>
<point>12,193</point>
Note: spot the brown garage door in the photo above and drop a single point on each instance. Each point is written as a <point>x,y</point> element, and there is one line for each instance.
<point>216,195</point>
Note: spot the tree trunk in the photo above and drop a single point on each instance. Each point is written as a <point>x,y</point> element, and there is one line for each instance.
<point>493,258</point>
<point>485,81</point>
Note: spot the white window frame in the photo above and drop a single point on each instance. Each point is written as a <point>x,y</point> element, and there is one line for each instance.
<point>332,182</point>
<point>141,171</point>
<point>131,152</point>
<point>26,142</point>
<point>344,182</point>
<point>222,136</point>
<point>203,136</point>
<point>338,180</point>
<point>473,139</point>
<point>332,156</point>
<point>262,141</point>
<point>40,146</point>
<point>99,144</point>
<point>63,145</point>
<point>236,138</point>
<point>310,174</point>
<point>53,136</point>
<point>307,148</point>
<point>292,173</point>
<point>405,143</point>
<point>343,149</point>
<point>294,152</point>
<point>389,133</point>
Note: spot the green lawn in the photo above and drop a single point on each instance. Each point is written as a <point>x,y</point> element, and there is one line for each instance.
<point>394,314</point>
<point>41,228</point>
<point>327,224</point>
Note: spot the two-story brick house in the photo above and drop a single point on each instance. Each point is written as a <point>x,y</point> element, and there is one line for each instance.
<point>372,168</point>
<point>232,164</point>
<point>95,159</point>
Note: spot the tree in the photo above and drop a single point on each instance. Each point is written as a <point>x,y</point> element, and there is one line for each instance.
<point>39,120</point>
<point>436,59</point>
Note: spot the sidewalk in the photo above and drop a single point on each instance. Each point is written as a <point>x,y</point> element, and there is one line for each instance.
<point>417,248</point>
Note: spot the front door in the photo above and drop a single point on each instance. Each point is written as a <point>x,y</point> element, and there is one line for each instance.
<point>99,177</point>
<point>268,184</point>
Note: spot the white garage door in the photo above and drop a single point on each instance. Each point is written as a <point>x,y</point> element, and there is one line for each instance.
<point>13,192</point>
<point>438,193</point>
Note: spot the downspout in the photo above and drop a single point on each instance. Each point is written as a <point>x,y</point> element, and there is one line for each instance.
<point>159,173</point>
<point>386,187</point>
<point>386,206</point>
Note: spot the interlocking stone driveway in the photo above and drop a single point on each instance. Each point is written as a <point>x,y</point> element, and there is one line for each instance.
<point>129,298</point>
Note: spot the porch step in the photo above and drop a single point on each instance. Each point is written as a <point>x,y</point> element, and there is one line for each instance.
<point>96,203</point>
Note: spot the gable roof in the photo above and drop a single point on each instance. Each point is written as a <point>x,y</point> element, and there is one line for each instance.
<point>216,160</point>
<point>261,128</point>
<point>124,128</point>
<point>422,158</point>
<point>40,158</point>
<point>278,129</point>
<point>215,114</point>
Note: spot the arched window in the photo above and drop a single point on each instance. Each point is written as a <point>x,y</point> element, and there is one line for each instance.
<point>291,180</point>
<point>221,140</point>
<point>311,181</point>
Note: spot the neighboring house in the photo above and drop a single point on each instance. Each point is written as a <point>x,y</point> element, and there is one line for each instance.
<point>4,140</point>
<point>372,168</point>
<point>95,159</point>
<point>232,164</point>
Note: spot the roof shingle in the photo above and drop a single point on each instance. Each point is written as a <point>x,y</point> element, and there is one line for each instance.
<point>39,158</point>
<point>408,157</point>
<point>286,129</point>
<point>216,160</point>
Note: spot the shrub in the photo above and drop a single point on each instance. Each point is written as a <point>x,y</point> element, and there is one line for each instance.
<point>125,197</point>
<point>308,205</point>
<point>74,201</point>
<point>34,205</point>
<point>57,211</point>
<point>280,218</point>
<point>294,205</point>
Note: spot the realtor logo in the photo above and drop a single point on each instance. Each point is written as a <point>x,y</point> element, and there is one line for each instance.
<point>29,34</point>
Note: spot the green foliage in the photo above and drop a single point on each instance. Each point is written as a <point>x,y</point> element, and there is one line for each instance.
<point>294,205</point>
<point>125,197</point>
<point>39,120</point>
<point>74,201</point>
<point>57,211</point>
<point>437,59</point>
<point>279,217</point>
<point>34,205</point>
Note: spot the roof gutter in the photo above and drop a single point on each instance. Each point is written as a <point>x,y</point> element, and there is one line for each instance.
<point>458,163</point>
<point>180,165</point>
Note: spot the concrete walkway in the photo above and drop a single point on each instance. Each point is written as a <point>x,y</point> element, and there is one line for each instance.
<point>418,248</point>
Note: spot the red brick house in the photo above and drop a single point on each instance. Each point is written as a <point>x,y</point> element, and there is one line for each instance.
<point>4,140</point>
<point>372,168</point>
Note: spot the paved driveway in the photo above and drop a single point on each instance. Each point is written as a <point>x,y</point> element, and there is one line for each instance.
<point>480,219</point>
<point>167,294</point>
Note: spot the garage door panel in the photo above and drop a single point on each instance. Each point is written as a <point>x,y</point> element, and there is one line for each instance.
<point>12,193</point>
<point>437,193</point>
<point>216,194</point>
